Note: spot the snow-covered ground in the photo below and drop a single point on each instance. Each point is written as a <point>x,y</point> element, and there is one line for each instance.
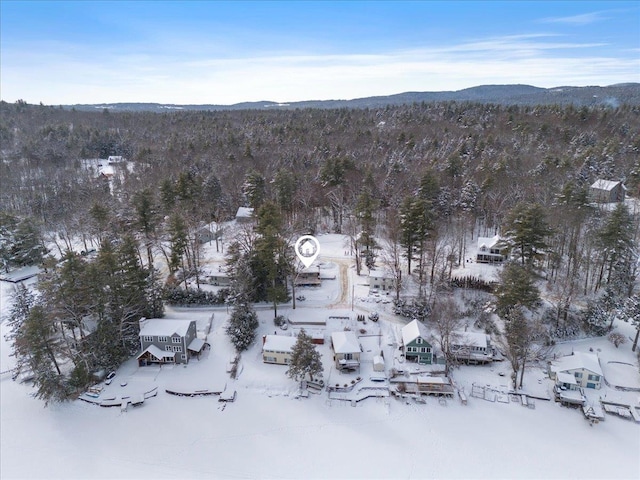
<point>268,432</point>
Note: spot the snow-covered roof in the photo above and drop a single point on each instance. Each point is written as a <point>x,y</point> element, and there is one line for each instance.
<point>196,345</point>
<point>579,360</point>
<point>380,274</point>
<point>564,377</point>
<point>278,343</point>
<point>488,242</point>
<point>345,342</point>
<point>164,327</point>
<point>313,270</point>
<point>158,353</point>
<point>471,339</point>
<point>20,274</point>
<point>607,185</point>
<point>244,212</point>
<point>413,330</point>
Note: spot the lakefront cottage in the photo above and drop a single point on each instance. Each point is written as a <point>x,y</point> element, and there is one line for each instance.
<point>416,346</point>
<point>168,341</point>
<point>346,350</point>
<point>471,347</point>
<point>584,367</point>
<point>277,349</point>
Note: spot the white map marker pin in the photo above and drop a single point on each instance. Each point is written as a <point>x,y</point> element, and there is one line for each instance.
<point>307,249</point>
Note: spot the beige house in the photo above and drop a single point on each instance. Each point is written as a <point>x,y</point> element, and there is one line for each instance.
<point>346,348</point>
<point>277,349</point>
<point>584,367</point>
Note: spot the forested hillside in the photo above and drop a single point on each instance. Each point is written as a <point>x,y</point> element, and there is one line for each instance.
<point>423,176</point>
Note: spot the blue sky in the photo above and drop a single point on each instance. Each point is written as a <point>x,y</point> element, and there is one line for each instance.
<point>228,52</point>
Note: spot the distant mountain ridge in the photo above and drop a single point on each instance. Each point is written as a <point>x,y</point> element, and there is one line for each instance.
<point>612,95</point>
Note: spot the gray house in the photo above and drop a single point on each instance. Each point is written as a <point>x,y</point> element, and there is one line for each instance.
<point>607,191</point>
<point>168,341</point>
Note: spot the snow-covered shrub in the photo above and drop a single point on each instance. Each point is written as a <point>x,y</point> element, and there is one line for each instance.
<point>417,309</point>
<point>617,339</point>
<point>561,327</point>
<point>279,320</point>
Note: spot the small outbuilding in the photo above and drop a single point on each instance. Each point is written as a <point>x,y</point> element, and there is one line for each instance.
<point>244,215</point>
<point>607,191</point>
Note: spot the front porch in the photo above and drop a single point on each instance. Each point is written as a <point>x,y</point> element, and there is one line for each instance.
<point>153,355</point>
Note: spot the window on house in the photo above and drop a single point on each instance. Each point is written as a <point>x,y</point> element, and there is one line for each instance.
<point>183,356</point>
<point>147,338</point>
<point>423,349</point>
<point>578,374</point>
<point>348,356</point>
<point>168,348</point>
<point>163,339</point>
<point>418,340</point>
<point>176,349</point>
<point>176,339</point>
<point>594,377</point>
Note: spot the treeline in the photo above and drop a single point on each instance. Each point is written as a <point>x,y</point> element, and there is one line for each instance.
<point>407,185</point>
<point>83,319</point>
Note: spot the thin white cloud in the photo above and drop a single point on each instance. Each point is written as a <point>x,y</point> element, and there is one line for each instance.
<point>577,20</point>
<point>77,76</point>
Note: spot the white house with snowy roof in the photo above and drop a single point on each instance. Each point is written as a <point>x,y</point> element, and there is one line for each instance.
<point>607,191</point>
<point>381,280</point>
<point>490,250</point>
<point>471,347</point>
<point>277,349</point>
<point>168,341</point>
<point>346,350</point>
<point>584,367</point>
